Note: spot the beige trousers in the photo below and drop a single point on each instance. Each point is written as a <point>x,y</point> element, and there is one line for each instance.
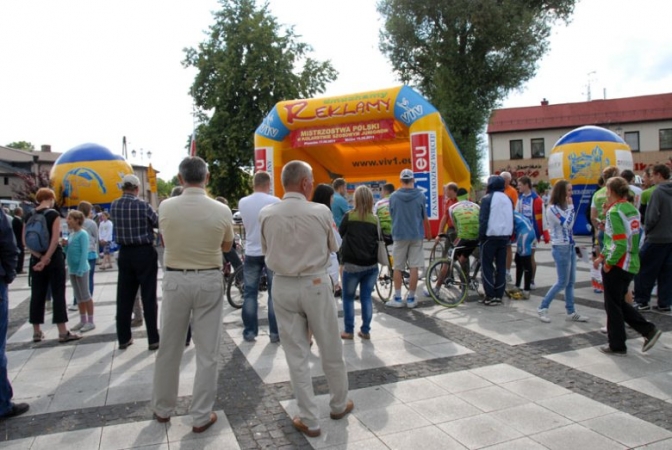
<point>197,296</point>
<point>300,303</point>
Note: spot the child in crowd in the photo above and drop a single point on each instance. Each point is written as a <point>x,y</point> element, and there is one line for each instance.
<point>525,236</point>
<point>78,267</point>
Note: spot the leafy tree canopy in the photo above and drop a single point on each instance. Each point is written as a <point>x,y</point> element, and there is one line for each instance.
<point>164,187</point>
<point>247,64</point>
<point>21,145</point>
<point>465,56</point>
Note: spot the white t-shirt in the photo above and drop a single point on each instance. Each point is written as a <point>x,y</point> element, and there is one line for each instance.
<point>637,192</point>
<point>249,208</point>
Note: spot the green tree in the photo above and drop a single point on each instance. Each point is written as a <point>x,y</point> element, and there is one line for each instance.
<point>164,187</point>
<point>21,145</point>
<point>247,65</point>
<point>465,56</point>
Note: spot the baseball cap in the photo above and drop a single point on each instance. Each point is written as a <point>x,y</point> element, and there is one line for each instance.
<point>130,180</point>
<point>406,174</point>
<point>462,194</point>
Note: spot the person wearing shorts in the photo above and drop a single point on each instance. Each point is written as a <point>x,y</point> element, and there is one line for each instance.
<point>77,259</point>
<point>409,226</point>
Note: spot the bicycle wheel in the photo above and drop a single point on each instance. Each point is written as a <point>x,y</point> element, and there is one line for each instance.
<point>384,283</point>
<point>453,289</point>
<point>236,288</point>
<point>436,253</point>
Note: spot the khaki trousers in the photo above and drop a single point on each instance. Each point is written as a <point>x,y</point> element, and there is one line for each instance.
<point>308,302</point>
<point>197,296</point>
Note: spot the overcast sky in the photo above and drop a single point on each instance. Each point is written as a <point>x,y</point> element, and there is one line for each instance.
<point>92,71</point>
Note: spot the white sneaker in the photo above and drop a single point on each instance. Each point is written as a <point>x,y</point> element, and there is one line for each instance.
<point>533,286</point>
<point>543,315</point>
<point>88,327</point>
<point>78,327</point>
<point>411,302</point>
<point>508,278</point>
<point>425,292</point>
<point>576,317</point>
<point>73,308</point>
<point>396,302</point>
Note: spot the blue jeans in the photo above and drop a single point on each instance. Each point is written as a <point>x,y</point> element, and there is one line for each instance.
<point>493,251</point>
<point>366,280</point>
<point>6,392</point>
<point>252,268</point>
<point>565,264</point>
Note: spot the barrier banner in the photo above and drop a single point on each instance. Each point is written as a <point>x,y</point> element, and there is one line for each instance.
<point>423,157</point>
<point>263,160</point>
<point>348,132</point>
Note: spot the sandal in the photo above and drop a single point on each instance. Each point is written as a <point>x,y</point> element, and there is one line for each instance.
<point>67,337</point>
<point>38,337</point>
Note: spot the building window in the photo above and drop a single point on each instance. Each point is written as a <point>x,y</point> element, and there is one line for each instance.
<point>516,148</point>
<point>632,139</point>
<point>537,146</point>
<point>6,181</point>
<point>665,138</point>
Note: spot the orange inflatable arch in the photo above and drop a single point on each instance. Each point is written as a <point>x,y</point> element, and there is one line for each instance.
<point>366,138</point>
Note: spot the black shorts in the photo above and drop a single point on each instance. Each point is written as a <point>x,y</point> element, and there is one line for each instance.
<point>468,247</point>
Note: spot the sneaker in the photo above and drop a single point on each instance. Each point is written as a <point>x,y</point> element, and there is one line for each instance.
<point>526,294</point>
<point>73,308</point>
<point>543,315</point>
<point>662,308</point>
<point>411,302</point>
<point>598,291</point>
<point>608,351</point>
<point>396,302</point>
<point>425,292</point>
<point>492,301</point>
<point>509,279</point>
<point>651,340</point>
<point>642,307</point>
<point>136,323</point>
<point>533,286</point>
<point>87,327</point>
<point>78,327</point>
<point>576,317</point>
<point>603,330</point>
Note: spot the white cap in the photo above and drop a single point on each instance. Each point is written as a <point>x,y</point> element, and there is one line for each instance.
<point>130,180</point>
<point>406,174</point>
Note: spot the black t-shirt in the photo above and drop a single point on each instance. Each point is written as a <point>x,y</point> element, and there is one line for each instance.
<point>17,227</point>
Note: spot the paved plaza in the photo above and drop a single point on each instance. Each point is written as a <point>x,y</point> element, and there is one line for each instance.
<point>433,378</point>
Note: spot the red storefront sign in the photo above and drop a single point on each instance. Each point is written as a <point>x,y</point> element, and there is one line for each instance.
<point>348,132</point>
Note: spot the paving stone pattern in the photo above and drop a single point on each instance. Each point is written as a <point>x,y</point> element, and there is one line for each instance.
<point>469,377</point>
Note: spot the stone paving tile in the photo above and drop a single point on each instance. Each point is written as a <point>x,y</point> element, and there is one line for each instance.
<point>452,349</point>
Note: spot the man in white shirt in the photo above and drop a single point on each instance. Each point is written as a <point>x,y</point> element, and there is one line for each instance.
<point>249,208</point>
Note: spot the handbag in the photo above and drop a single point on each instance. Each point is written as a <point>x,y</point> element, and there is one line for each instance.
<point>382,248</point>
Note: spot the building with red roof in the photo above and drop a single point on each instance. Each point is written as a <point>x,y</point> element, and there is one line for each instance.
<point>521,139</point>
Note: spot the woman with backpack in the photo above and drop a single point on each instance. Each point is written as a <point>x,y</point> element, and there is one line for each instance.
<point>47,266</point>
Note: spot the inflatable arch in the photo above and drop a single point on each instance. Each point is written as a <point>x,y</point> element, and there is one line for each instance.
<point>366,138</point>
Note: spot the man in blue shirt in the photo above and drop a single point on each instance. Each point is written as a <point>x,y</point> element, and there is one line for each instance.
<point>8,256</point>
<point>409,225</point>
<point>339,205</point>
<point>134,222</point>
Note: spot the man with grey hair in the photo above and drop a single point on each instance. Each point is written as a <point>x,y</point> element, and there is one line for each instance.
<point>302,294</point>
<point>196,230</point>
<point>134,223</point>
